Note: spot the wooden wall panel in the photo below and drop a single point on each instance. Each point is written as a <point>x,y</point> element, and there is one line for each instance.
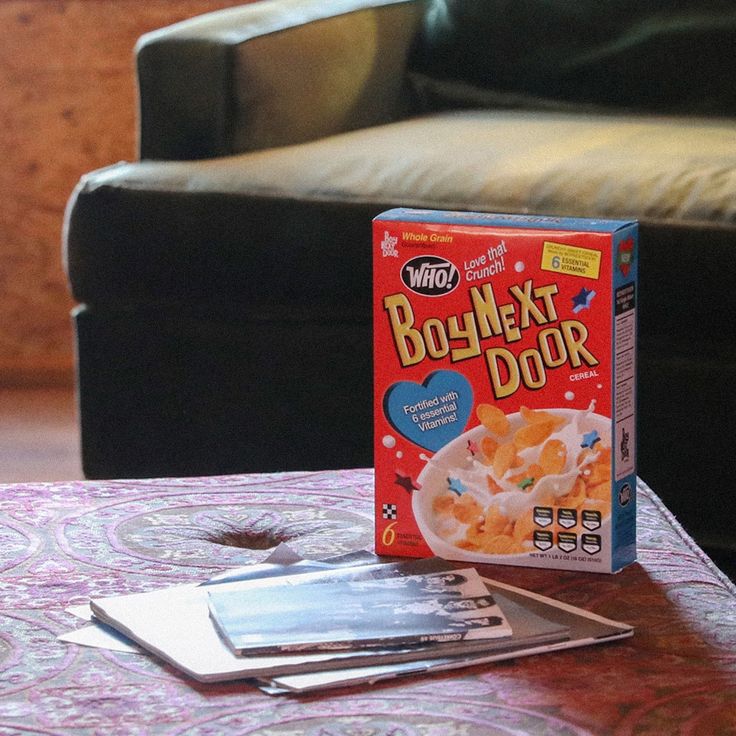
<point>67,105</point>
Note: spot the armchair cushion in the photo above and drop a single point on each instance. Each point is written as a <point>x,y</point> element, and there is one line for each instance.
<point>217,230</point>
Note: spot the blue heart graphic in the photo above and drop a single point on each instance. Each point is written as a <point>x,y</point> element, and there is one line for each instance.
<point>432,413</point>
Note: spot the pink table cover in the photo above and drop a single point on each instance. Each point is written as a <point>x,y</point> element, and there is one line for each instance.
<point>63,543</point>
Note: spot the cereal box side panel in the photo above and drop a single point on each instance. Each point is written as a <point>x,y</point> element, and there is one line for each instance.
<point>625,285</point>
<point>492,361</point>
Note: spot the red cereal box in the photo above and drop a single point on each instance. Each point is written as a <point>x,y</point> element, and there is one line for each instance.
<point>505,356</point>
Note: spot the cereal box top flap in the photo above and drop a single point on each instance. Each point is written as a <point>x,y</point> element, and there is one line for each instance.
<point>405,214</point>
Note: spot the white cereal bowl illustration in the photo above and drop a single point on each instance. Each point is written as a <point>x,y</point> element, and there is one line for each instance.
<point>433,481</point>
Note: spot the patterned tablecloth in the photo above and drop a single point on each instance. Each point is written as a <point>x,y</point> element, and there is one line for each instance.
<point>62,543</point>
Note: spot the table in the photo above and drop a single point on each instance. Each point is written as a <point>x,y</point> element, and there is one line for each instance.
<point>62,543</point>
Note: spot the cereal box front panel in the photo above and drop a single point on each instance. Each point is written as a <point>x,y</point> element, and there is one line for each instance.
<point>495,391</point>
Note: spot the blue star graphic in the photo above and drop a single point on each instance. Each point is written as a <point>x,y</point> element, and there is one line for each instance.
<point>582,300</point>
<point>456,485</point>
<point>590,438</point>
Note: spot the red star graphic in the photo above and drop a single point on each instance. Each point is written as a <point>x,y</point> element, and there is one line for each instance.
<point>406,482</point>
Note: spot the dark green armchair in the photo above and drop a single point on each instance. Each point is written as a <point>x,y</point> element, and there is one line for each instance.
<point>224,279</point>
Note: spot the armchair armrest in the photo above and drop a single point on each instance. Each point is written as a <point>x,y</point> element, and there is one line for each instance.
<point>272,73</point>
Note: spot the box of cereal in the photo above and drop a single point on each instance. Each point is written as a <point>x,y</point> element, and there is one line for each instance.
<point>505,357</point>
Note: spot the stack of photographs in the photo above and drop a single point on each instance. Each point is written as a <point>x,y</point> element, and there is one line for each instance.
<point>313,625</point>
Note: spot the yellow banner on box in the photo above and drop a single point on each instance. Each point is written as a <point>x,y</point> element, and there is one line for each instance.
<point>570,259</point>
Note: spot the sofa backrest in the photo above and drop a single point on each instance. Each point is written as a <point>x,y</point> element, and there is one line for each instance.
<point>662,56</point>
